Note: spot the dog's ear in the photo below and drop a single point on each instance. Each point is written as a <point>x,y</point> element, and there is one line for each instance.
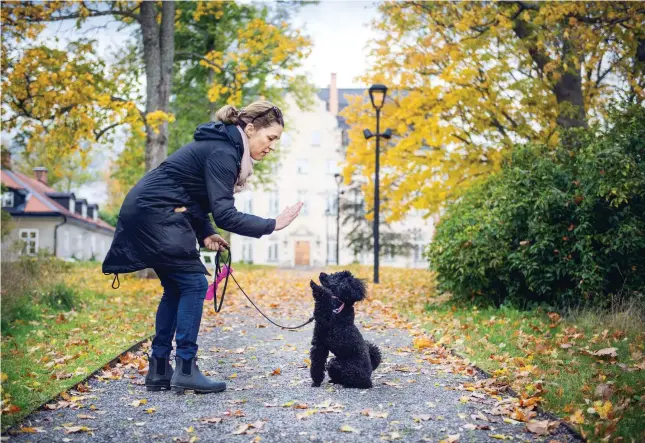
<point>352,288</point>
<point>317,290</point>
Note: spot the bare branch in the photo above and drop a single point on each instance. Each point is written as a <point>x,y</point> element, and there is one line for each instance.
<point>99,134</point>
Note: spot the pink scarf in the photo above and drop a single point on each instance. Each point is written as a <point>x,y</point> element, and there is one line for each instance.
<point>247,164</point>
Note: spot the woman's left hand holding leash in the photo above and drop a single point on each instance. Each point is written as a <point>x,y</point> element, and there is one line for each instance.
<point>215,243</point>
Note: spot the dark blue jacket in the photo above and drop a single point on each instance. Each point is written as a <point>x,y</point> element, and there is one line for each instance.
<point>200,177</point>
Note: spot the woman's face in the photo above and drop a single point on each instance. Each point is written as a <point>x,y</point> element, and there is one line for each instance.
<point>262,141</point>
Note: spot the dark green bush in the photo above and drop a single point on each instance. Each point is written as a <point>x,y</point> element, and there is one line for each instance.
<point>60,297</point>
<point>563,227</point>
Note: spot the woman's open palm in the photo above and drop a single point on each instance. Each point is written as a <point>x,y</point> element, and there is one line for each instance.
<point>287,216</point>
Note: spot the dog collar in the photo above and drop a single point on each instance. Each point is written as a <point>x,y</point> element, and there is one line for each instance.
<point>340,308</point>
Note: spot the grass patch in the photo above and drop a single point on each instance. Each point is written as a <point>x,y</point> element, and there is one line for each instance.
<point>53,338</point>
<point>541,353</point>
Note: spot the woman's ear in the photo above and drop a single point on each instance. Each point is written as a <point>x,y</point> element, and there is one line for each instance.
<point>249,130</point>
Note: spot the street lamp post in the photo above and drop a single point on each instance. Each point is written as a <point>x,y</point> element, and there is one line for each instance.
<point>327,214</point>
<point>377,97</point>
<point>339,180</point>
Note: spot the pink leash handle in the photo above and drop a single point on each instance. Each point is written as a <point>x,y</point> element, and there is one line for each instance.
<point>210,293</point>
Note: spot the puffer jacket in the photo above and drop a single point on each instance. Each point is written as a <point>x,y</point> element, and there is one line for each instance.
<point>153,229</point>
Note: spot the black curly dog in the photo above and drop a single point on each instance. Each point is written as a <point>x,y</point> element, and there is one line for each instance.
<point>334,331</point>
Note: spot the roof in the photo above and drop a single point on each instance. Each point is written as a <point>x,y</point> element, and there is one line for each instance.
<point>39,202</point>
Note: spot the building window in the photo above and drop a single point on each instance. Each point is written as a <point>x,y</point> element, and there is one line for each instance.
<point>331,251</point>
<point>84,211</point>
<point>93,242</point>
<point>248,203</point>
<point>302,197</point>
<point>315,138</point>
<point>30,238</point>
<point>247,252</point>
<point>72,205</point>
<point>332,206</point>
<point>7,199</point>
<point>273,252</point>
<point>274,204</point>
<point>302,166</point>
<point>345,138</point>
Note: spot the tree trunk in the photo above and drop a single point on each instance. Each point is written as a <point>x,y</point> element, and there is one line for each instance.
<point>158,55</point>
<point>568,88</point>
<point>568,92</point>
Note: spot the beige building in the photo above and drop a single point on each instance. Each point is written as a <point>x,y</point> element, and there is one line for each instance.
<point>312,151</point>
<point>47,221</point>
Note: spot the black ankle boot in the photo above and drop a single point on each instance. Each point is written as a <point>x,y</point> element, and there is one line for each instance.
<point>188,377</point>
<point>159,374</point>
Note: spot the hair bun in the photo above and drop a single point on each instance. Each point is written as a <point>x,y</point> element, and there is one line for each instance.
<point>228,114</point>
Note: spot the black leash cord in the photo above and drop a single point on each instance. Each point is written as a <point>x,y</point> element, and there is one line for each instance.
<point>230,273</point>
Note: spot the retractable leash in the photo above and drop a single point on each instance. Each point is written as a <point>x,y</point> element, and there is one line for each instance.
<point>229,273</point>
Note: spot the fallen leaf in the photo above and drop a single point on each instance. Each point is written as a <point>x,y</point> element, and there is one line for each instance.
<point>604,409</point>
<point>421,417</point>
<point>207,420</point>
<point>86,417</point>
<point>32,430</point>
<point>607,352</point>
<point>76,429</point>
<point>276,371</point>
<point>138,403</point>
<point>577,417</point>
<point>348,428</point>
<point>500,436</point>
<point>150,410</point>
<point>422,342</point>
<point>542,427</point>
<point>373,414</point>
<point>604,391</point>
<point>242,429</point>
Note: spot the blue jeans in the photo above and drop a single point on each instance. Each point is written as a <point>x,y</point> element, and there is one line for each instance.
<point>180,313</point>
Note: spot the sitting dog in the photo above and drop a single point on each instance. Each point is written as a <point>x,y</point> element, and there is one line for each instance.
<point>334,331</point>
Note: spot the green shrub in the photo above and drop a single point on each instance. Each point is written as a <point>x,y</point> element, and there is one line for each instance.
<point>22,283</point>
<point>563,226</point>
<point>60,297</point>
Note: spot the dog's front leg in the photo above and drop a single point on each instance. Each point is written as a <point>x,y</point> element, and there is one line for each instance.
<point>318,356</point>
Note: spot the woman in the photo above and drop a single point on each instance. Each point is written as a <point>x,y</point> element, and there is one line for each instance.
<point>166,214</point>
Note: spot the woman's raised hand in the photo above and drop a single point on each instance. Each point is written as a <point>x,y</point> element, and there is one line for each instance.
<point>288,215</point>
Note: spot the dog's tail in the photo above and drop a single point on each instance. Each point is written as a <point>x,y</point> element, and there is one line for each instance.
<point>375,355</point>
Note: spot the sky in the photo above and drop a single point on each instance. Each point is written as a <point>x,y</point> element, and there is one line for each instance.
<point>339,29</point>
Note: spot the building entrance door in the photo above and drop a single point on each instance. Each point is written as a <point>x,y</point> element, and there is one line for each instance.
<point>302,253</point>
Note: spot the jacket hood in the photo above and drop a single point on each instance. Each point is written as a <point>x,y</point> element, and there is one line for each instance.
<point>212,131</point>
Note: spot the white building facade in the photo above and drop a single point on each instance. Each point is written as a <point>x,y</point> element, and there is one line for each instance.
<point>311,153</point>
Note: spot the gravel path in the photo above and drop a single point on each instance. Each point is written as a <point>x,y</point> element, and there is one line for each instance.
<point>419,395</point>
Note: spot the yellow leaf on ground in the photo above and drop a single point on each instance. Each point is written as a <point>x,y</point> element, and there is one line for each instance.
<point>348,428</point>
<point>577,417</point>
<point>422,342</point>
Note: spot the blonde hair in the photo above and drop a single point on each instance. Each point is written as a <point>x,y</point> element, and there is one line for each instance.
<point>261,113</point>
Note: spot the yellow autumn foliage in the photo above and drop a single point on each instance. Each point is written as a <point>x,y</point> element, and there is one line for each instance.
<point>468,80</point>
